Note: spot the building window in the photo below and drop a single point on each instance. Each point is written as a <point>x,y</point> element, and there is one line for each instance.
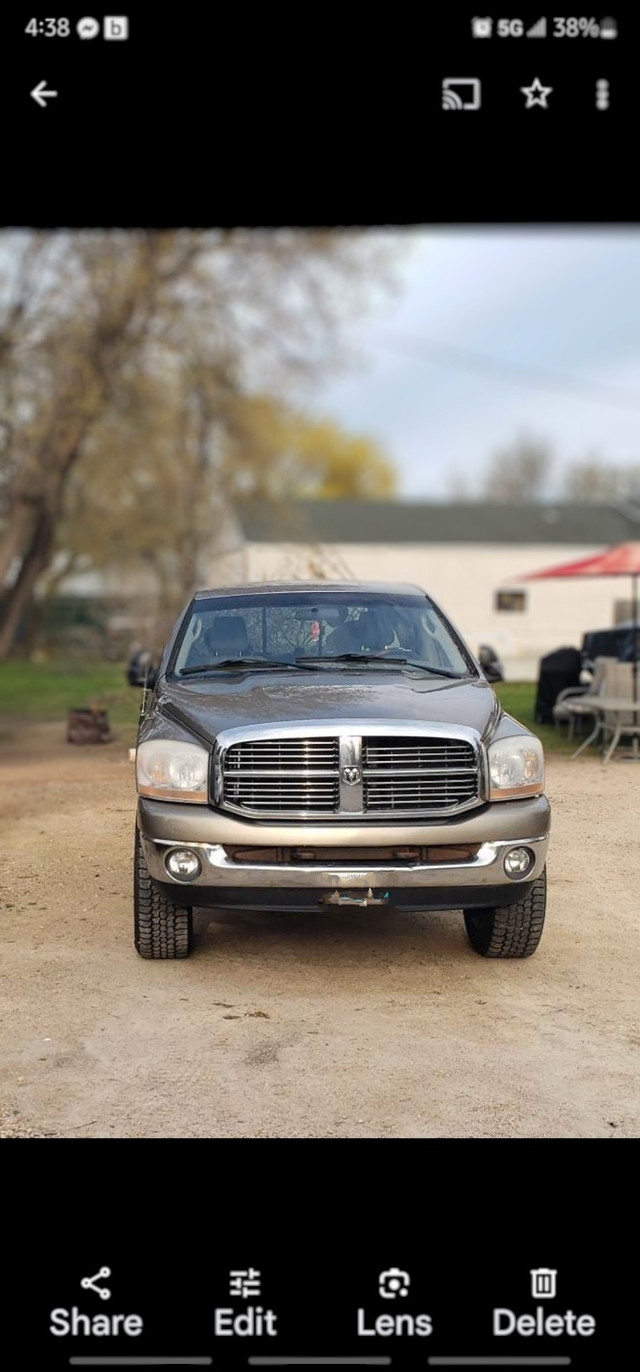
<point>511,600</point>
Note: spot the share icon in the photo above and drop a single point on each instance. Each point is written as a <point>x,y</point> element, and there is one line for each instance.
<point>89,1284</point>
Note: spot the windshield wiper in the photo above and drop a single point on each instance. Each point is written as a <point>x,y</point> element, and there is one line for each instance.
<point>374,657</point>
<point>236,662</point>
<point>348,657</point>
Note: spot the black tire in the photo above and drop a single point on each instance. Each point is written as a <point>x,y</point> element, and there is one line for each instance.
<point>161,929</point>
<point>510,931</point>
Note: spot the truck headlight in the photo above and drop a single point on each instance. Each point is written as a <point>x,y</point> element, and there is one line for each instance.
<point>171,770</point>
<point>516,767</point>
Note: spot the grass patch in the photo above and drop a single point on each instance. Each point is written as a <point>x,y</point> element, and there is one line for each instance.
<point>49,690</point>
<point>518,699</point>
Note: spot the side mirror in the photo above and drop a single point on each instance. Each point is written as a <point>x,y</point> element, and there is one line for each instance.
<point>490,663</point>
<point>141,672</point>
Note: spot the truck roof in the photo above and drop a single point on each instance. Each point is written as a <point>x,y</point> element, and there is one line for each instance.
<point>318,588</point>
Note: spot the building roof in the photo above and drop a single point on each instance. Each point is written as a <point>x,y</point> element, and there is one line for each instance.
<point>382,521</point>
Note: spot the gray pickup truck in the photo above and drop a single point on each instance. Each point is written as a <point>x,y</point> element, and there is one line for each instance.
<point>309,746</point>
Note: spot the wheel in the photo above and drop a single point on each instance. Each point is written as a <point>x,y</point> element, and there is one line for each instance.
<point>510,931</point>
<point>162,929</point>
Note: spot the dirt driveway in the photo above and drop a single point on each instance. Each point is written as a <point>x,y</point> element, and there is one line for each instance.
<point>360,1024</point>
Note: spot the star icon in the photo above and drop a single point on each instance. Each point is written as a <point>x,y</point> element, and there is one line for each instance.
<point>536,94</point>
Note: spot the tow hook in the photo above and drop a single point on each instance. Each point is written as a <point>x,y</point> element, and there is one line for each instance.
<point>355,898</point>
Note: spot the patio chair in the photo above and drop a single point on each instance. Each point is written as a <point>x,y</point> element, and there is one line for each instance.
<point>617,724</point>
<point>575,702</point>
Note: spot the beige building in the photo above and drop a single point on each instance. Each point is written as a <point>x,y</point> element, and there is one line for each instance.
<point>471,557</point>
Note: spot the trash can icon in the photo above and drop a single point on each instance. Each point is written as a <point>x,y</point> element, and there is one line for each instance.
<point>543,1282</point>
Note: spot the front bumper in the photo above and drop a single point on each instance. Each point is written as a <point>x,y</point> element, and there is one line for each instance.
<point>496,828</point>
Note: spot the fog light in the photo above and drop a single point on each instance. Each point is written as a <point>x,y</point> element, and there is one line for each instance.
<point>183,864</point>
<point>518,862</point>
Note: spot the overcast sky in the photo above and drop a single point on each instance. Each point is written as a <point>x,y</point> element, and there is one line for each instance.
<point>565,301</point>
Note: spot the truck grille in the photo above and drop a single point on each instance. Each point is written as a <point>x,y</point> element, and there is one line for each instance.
<point>285,776</point>
<point>440,753</point>
<point>347,857</point>
<point>348,776</point>
<point>284,795</point>
<point>427,774</point>
<point>284,754</point>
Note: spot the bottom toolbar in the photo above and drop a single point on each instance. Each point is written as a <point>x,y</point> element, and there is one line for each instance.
<point>329,1314</point>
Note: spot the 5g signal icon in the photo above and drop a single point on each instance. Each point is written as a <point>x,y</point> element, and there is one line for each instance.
<point>467,95</point>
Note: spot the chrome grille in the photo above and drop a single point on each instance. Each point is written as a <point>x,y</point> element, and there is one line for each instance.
<point>389,753</point>
<point>284,795</point>
<point>297,776</point>
<point>283,754</point>
<point>418,793</point>
<point>286,776</point>
<point>439,775</point>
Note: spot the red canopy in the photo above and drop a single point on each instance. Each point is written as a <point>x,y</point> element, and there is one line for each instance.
<point>621,560</point>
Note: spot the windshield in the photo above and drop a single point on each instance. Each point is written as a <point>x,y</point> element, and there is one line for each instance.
<point>283,627</point>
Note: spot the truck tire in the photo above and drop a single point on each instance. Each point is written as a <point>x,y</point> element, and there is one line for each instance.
<point>510,931</point>
<point>162,929</point>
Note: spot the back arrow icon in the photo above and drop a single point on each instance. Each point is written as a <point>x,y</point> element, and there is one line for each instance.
<point>40,93</point>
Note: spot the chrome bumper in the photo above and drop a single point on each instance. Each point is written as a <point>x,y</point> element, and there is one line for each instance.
<point>485,869</point>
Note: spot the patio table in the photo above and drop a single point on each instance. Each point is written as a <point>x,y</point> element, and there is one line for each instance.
<point>618,706</point>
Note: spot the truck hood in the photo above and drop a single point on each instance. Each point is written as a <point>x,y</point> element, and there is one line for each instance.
<point>260,698</point>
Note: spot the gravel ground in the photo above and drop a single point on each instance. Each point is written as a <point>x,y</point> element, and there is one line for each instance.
<point>357,1024</point>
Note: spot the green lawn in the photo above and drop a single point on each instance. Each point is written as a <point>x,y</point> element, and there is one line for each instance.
<point>50,689</point>
<point>518,699</point>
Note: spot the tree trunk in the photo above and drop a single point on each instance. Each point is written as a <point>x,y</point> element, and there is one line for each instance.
<point>23,518</point>
<point>20,594</point>
<point>32,532</point>
<point>84,392</point>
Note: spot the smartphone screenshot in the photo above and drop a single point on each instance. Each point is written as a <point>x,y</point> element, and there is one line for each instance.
<point>320,687</point>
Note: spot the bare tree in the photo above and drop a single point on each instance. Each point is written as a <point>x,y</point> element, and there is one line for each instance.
<point>519,473</point>
<point>594,480</point>
<point>161,470</point>
<point>89,318</point>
